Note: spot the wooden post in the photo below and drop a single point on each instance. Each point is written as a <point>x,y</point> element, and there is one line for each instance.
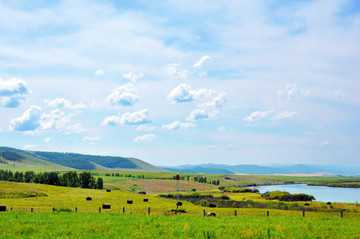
<point>11,209</point>
<point>32,209</point>
<point>149,210</point>
<point>53,209</point>
<point>235,213</point>
<point>204,213</point>
<point>303,213</point>
<point>342,214</point>
<point>267,213</point>
<point>76,209</point>
<point>99,209</point>
<point>123,209</point>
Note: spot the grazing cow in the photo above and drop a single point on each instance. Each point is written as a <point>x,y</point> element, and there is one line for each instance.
<point>211,214</point>
<point>146,200</point>
<point>328,203</point>
<point>88,199</point>
<point>179,204</point>
<point>106,206</point>
<point>2,208</point>
<point>108,190</point>
<point>212,205</point>
<point>307,204</point>
<point>129,202</point>
<point>142,192</point>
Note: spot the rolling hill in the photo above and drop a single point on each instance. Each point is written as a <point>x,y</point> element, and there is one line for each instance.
<point>11,157</point>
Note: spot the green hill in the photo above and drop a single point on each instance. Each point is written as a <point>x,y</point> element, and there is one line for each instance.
<point>11,157</point>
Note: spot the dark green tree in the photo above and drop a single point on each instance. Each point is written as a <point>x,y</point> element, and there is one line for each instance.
<point>99,183</point>
<point>29,176</point>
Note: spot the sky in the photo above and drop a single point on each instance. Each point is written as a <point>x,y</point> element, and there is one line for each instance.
<point>183,82</point>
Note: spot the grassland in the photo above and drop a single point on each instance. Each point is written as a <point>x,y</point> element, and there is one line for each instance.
<point>114,225</point>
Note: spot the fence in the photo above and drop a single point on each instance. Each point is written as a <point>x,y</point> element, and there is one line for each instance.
<point>149,211</point>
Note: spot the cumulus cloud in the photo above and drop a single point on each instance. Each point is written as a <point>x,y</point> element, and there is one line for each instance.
<point>90,140</point>
<point>201,61</point>
<point>135,118</point>
<point>132,76</point>
<point>29,120</point>
<point>208,109</point>
<point>284,115</point>
<point>145,128</point>
<point>63,103</point>
<point>56,119</point>
<point>339,93</point>
<point>12,92</point>
<point>184,93</point>
<point>291,91</point>
<point>76,128</point>
<point>325,143</point>
<point>145,138</point>
<point>47,139</point>
<point>178,125</point>
<point>257,115</point>
<point>99,72</point>
<point>123,95</point>
<point>176,71</point>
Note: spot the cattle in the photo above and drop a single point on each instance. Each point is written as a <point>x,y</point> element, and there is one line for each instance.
<point>212,205</point>
<point>106,206</point>
<point>108,190</point>
<point>307,204</point>
<point>129,202</point>
<point>146,200</point>
<point>142,192</point>
<point>328,203</point>
<point>88,199</point>
<point>179,204</point>
<point>2,208</point>
<point>211,214</point>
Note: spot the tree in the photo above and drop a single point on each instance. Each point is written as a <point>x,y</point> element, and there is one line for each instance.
<point>29,176</point>
<point>52,178</point>
<point>85,179</point>
<point>99,183</point>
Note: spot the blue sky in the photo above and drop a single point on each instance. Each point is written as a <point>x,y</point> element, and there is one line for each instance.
<point>183,82</point>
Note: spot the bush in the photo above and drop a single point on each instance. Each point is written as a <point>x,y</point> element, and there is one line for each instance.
<point>63,209</point>
<point>285,196</point>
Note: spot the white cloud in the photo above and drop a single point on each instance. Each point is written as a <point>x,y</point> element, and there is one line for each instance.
<point>90,140</point>
<point>47,139</point>
<point>75,129</point>
<point>56,119</point>
<point>145,138</point>
<point>292,91</point>
<point>284,115</point>
<point>29,146</point>
<point>99,72</point>
<point>257,115</point>
<point>145,128</point>
<point>339,93</point>
<point>183,93</point>
<point>176,71</point>
<point>63,103</point>
<point>209,109</point>
<point>29,120</point>
<point>325,143</point>
<point>132,76</point>
<point>135,118</point>
<point>222,128</point>
<point>211,147</point>
<point>201,61</point>
<point>178,125</point>
<point>123,96</point>
<point>12,92</point>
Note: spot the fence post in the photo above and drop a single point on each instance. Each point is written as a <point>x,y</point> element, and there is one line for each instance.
<point>123,209</point>
<point>303,213</point>
<point>235,213</point>
<point>204,212</point>
<point>99,209</point>
<point>342,214</point>
<point>53,209</point>
<point>32,209</point>
<point>76,209</point>
<point>149,210</point>
<point>176,211</point>
<point>11,209</point>
<point>267,213</point>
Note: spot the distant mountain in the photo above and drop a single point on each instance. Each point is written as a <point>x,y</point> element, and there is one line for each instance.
<point>345,170</point>
<point>27,158</point>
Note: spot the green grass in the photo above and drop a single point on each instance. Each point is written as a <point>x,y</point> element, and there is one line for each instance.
<point>114,225</point>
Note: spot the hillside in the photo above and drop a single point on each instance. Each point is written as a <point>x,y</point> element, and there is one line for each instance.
<point>11,157</point>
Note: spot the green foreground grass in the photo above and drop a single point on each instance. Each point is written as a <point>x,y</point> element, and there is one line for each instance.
<point>114,225</point>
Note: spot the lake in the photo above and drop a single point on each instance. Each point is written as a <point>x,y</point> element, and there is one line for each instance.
<point>321,193</point>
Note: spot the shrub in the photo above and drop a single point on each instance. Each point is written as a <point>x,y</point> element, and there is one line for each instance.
<point>63,209</point>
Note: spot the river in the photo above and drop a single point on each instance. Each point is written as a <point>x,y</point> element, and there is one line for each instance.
<point>321,193</point>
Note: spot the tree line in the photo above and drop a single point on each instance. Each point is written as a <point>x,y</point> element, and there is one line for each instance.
<point>68,179</point>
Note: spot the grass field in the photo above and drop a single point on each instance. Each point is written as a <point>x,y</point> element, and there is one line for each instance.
<point>114,225</point>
